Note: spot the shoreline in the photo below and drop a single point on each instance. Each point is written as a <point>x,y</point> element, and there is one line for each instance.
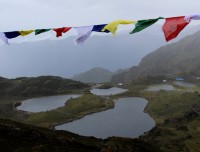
<point>77,118</point>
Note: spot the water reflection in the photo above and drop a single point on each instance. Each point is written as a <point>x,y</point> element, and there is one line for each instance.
<point>45,103</point>
<point>161,87</point>
<point>107,92</point>
<point>127,119</point>
<point>184,84</point>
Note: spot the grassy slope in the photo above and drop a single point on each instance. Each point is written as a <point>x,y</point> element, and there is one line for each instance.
<point>17,137</point>
<point>177,122</point>
<point>177,126</point>
<point>74,109</point>
<point>17,90</point>
<point>39,86</point>
<point>13,91</point>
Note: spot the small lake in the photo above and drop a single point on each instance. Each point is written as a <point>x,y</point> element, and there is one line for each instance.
<point>184,84</point>
<point>45,103</point>
<point>127,119</point>
<point>107,92</point>
<point>161,87</point>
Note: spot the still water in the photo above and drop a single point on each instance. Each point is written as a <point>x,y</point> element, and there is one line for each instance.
<point>107,92</point>
<point>161,87</point>
<point>184,84</point>
<point>45,103</point>
<point>127,119</point>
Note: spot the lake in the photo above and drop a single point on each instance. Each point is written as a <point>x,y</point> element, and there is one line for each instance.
<point>160,87</point>
<point>107,92</point>
<point>127,119</point>
<point>45,103</point>
<point>53,102</point>
<point>184,84</point>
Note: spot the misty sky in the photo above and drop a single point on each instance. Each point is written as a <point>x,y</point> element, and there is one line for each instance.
<point>31,14</point>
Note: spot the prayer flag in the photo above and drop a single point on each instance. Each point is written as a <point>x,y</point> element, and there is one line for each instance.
<point>83,33</point>
<point>59,31</point>
<point>4,38</point>
<point>193,17</point>
<point>39,31</point>
<point>112,27</point>
<point>142,24</point>
<point>11,35</point>
<point>24,33</point>
<point>173,26</point>
<point>98,28</point>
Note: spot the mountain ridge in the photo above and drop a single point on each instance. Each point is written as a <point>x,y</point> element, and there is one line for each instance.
<point>95,75</point>
<point>171,59</point>
<point>38,86</point>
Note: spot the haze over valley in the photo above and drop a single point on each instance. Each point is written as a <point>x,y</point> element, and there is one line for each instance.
<point>64,58</point>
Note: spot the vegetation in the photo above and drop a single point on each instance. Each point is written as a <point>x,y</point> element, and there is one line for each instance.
<point>74,109</point>
<point>105,86</point>
<point>40,86</point>
<point>177,118</point>
<point>22,138</point>
<point>177,115</point>
<point>14,91</point>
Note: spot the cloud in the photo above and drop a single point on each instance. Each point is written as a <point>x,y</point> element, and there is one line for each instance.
<point>23,14</point>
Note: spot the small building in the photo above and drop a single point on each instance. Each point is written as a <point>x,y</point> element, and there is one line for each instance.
<point>164,81</point>
<point>120,84</point>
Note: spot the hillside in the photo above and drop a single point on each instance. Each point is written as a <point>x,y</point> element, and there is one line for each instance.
<point>39,86</point>
<point>172,59</point>
<point>21,137</point>
<point>95,75</point>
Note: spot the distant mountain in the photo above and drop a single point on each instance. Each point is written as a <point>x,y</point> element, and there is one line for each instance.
<point>95,75</point>
<point>175,58</point>
<point>39,86</point>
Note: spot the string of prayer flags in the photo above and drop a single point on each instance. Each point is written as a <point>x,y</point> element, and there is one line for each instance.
<point>39,31</point>
<point>173,26</point>
<point>98,28</point>
<point>142,24</point>
<point>24,33</point>
<point>83,33</point>
<point>112,27</point>
<point>4,38</point>
<point>59,31</point>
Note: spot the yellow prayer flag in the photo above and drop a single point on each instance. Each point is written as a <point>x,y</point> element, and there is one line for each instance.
<point>24,33</point>
<point>112,26</point>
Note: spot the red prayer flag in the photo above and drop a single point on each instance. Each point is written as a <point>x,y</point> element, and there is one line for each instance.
<point>59,31</point>
<point>173,26</point>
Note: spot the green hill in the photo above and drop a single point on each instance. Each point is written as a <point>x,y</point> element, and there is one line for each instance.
<point>39,86</point>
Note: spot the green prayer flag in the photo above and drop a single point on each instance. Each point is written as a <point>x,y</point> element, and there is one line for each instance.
<point>39,31</point>
<point>142,24</point>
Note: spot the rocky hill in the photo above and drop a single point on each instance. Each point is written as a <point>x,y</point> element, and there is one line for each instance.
<point>38,86</point>
<point>175,58</point>
<point>95,75</point>
<point>15,136</point>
